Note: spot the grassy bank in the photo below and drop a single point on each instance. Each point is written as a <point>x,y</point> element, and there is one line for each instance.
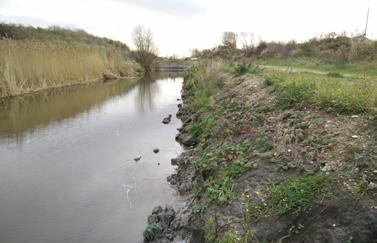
<point>270,164</point>
<point>356,68</point>
<point>55,33</point>
<point>330,92</point>
<point>39,61</point>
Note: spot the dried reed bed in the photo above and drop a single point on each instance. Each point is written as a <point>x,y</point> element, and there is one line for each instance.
<point>27,65</point>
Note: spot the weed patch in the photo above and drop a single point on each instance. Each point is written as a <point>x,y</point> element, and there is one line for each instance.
<point>220,191</point>
<point>294,93</point>
<point>296,194</point>
<point>242,69</point>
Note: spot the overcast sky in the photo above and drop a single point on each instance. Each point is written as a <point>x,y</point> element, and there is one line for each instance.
<point>180,25</point>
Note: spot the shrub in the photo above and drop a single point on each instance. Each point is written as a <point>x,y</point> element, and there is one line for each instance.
<point>362,51</point>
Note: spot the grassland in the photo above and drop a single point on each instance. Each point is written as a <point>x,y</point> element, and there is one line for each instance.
<point>330,92</point>
<point>356,68</point>
<point>34,59</point>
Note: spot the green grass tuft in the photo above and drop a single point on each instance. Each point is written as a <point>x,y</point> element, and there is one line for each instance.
<point>242,69</point>
<point>293,93</point>
<point>296,194</point>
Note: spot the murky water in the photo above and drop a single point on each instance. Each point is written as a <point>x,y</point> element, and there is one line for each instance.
<point>67,172</point>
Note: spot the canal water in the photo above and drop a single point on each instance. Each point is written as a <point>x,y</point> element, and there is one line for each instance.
<point>67,169</point>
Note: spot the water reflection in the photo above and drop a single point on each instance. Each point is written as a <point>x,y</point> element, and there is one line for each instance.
<point>148,90</point>
<point>21,114</point>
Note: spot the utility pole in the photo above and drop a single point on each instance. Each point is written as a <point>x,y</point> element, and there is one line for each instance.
<point>366,25</point>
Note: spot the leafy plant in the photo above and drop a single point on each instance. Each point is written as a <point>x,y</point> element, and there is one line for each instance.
<point>149,232</point>
<point>200,208</point>
<point>220,191</point>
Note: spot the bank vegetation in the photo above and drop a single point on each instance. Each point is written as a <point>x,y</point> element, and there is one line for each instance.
<point>278,156</point>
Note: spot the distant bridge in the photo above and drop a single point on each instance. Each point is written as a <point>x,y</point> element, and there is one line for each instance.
<point>177,66</point>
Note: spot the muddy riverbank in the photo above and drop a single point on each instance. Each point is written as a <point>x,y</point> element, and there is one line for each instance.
<point>254,172</point>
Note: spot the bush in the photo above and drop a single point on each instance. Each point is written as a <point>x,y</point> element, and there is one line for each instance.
<point>363,51</point>
<point>279,49</point>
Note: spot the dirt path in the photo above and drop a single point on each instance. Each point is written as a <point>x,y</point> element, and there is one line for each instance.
<point>290,69</point>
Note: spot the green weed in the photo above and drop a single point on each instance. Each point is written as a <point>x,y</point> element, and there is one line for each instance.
<point>270,80</point>
<point>200,208</point>
<point>230,156</point>
<point>229,237</point>
<point>296,194</point>
<point>242,69</point>
<point>220,191</point>
<point>293,93</point>
<point>149,232</point>
<point>263,144</point>
<point>262,109</point>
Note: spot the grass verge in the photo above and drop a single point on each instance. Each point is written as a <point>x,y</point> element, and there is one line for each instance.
<point>332,92</point>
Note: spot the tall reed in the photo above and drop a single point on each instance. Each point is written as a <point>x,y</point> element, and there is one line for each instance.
<point>28,65</point>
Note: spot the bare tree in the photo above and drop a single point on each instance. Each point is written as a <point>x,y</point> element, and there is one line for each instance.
<point>247,40</point>
<point>229,40</point>
<point>195,52</point>
<point>146,50</point>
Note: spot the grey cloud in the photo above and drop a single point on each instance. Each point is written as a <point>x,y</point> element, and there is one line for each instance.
<point>173,7</point>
